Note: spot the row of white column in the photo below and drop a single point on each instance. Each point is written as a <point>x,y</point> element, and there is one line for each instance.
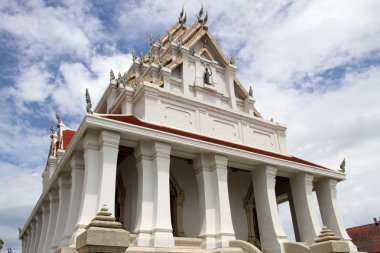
<point>89,184</point>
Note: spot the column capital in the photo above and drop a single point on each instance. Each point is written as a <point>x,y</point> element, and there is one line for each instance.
<point>54,194</point>
<point>64,180</point>
<point>46,206</point>
<point>77,161</point>
<point>109,139</point>
<point>91,140</point>
<point>210,162</point>
<point>162,149</point>
<point>269,170</point>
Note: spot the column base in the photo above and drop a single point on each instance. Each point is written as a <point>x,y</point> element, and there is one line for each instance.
<point>208,242</point>
<point>142,239</point>
<point>223,240</point>
<point>274,246</point>
<point>162,239</point>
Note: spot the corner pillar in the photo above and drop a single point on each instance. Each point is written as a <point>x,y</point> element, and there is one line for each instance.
<point>109,149</point>
<point>301,188</point>
<point>272,235</point>
<point>211,174</point>
<point>328,205</point>
<point>89,195</point>
<point>33,234</point>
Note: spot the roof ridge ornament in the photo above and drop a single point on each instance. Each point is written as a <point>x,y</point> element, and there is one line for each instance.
<point>250,91</point>
<point>200,14</point>
<point>343,166</point>
<point>88,102</point>
<point>233,60</point>
<point>134,57</point>
<point>182,17</point>
<point>112,75</point>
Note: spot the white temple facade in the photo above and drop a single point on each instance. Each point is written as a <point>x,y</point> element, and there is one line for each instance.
<point>183,160</point>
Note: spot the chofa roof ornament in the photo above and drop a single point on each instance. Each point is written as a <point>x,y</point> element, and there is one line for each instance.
<point>112,75</point>
<point>343,166</point>
<point>88,102</point>
<point>182,17</point>
<point>201,19</point>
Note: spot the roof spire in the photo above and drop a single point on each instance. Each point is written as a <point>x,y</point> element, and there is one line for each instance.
<point>88,102</point>
<point>205,19</point>
<point>233,60</point>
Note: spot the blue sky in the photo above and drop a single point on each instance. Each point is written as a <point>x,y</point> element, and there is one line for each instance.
<point>314,65</point>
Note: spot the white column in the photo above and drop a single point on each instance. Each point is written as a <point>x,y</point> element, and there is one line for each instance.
<point>145,205</point>
<point>328,205</point>
<point>211,174</point>
<point>28,239</point>
<point>38,231</point>
<point>45,223</point>
<point>162,232</point>
<point>33,234</point>
<point>64,183</point>
<point>54,202</point>
<point>153,227</point>
<point>89,197</point>
<point>109,148</point>
<point>23,243</point>
<point>77,177</point>
<point>272,235</point>
<point>185,71</point>
<point>302,187</point>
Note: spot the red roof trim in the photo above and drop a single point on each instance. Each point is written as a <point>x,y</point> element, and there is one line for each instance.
<point>68,135</point>
<point>135,121</point>
<point>366,237</point>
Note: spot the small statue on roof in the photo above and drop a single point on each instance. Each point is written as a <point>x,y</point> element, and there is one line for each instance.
<point>250,91</point>
<point>88,102</point>
<point>134,57</point>
<point>233,60</point>
<point>160,44</point>
<point>112,75</point>
<point>208,76</point>
<point>125,79</point>
<point>151,40</point>
<point>343,166</point>
<point>150,57</point>
<point>53,137</point>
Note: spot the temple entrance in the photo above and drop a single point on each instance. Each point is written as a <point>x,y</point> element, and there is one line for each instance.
<point>176,208</point>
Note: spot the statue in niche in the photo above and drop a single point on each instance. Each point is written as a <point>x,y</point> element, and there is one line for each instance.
<point>208,76</point>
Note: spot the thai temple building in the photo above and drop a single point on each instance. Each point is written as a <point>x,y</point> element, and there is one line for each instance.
<point>176,158</point>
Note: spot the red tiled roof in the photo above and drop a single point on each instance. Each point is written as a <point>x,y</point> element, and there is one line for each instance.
<point>366,237</point>
<point>135,121</point>
<point>68,134</point>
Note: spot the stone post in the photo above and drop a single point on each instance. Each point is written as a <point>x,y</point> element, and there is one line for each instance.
<point>103,235</point>
<point>272,235</point>
<point>328,205</point>
<point>307,221</point>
